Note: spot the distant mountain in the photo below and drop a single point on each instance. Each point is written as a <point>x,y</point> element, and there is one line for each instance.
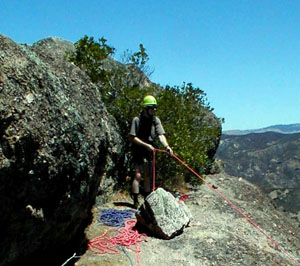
<point>271,160</point>
<point>284,129</point>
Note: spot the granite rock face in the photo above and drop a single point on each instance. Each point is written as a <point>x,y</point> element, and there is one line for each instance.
<point>57,142</point>
<point>163,214</point>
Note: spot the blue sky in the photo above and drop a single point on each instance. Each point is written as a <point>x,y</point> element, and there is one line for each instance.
<point>245,55</point>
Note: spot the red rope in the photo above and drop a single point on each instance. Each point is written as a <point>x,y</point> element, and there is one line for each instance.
<point>127,237</point>
<point>249,220</point>
<point>153,168</point>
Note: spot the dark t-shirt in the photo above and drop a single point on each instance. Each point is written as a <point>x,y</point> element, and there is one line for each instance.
<point>146,129</point>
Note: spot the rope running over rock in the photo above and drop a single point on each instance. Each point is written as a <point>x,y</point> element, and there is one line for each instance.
<point>237,209</point>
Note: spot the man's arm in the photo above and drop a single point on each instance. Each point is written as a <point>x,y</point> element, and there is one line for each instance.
<point>133,138</point>
<point>138,141</point>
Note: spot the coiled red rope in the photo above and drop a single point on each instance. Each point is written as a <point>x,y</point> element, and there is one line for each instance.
<point>248,219</point>
<point>126,236</point>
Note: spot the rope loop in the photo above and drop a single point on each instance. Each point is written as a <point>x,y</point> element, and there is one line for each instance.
<point>115,218</point>
<point>126,236</point>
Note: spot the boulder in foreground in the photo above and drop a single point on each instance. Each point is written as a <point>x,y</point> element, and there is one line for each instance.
<point>163,214</point>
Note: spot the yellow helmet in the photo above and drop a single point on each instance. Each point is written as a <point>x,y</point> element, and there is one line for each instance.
<point>149,100</point>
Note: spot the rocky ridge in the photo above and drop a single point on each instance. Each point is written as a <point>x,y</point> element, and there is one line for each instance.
<point>217,234</point>
<point>283,129</point>
<point>270,160</point>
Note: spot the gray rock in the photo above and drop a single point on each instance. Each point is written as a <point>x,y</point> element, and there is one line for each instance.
<point>273,195</point>
<point>57,142</point>
<point>163,214</point>
<point>218,234</point>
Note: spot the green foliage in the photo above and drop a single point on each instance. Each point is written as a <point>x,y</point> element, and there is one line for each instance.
<point>138,60</point>
<point>183,110</point>
<point>89,56</point>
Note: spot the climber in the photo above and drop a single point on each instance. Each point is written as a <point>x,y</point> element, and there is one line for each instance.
<point>144,129</point>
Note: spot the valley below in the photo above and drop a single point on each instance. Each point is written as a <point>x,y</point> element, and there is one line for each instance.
<point>270,160</point>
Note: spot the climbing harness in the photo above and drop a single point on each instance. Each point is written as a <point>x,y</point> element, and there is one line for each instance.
<point>237,209</point>
<point>115,218</point>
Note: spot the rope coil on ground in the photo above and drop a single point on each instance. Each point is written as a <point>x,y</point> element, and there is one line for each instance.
<point>127,237</point>
<point>115,218</point>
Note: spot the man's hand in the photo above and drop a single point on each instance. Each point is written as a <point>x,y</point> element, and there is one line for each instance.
<point>150,147</point>
<point>169,150</point>
<point>138,141</point>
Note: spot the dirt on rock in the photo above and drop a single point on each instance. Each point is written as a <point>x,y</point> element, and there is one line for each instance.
<point>217,234</point>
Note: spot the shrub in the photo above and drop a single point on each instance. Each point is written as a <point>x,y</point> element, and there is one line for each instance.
<point>89,56</point>
<point>183,110</point>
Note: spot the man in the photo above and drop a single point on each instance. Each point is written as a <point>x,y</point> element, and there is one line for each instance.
<point>144,129</point>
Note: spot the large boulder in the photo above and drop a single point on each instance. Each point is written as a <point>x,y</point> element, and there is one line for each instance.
<point>163,214</point>
<point>56,142</point>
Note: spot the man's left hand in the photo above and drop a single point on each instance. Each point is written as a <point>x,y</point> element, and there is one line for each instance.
<point>169,150</point>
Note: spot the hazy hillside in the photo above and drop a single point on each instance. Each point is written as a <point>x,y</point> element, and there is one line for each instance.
<point>284,129</point>
<point>270,160</point>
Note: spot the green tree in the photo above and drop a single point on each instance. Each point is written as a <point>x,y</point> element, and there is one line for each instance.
<point>138,60</point>
<point>90,55</point>
<point>183,110</point>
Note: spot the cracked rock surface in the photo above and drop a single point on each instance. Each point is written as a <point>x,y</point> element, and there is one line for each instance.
<point>217,234</point>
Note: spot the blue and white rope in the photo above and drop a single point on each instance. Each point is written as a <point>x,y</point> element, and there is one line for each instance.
<point>114,217</point>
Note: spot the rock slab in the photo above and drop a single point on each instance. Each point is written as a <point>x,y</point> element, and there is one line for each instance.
<point>57,143</point>
<point>163,214</point>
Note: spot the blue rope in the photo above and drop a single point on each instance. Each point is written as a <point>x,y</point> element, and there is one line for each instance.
<point>114,217</point>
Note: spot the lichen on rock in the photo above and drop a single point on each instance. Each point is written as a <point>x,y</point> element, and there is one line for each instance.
<point>56,139</point>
